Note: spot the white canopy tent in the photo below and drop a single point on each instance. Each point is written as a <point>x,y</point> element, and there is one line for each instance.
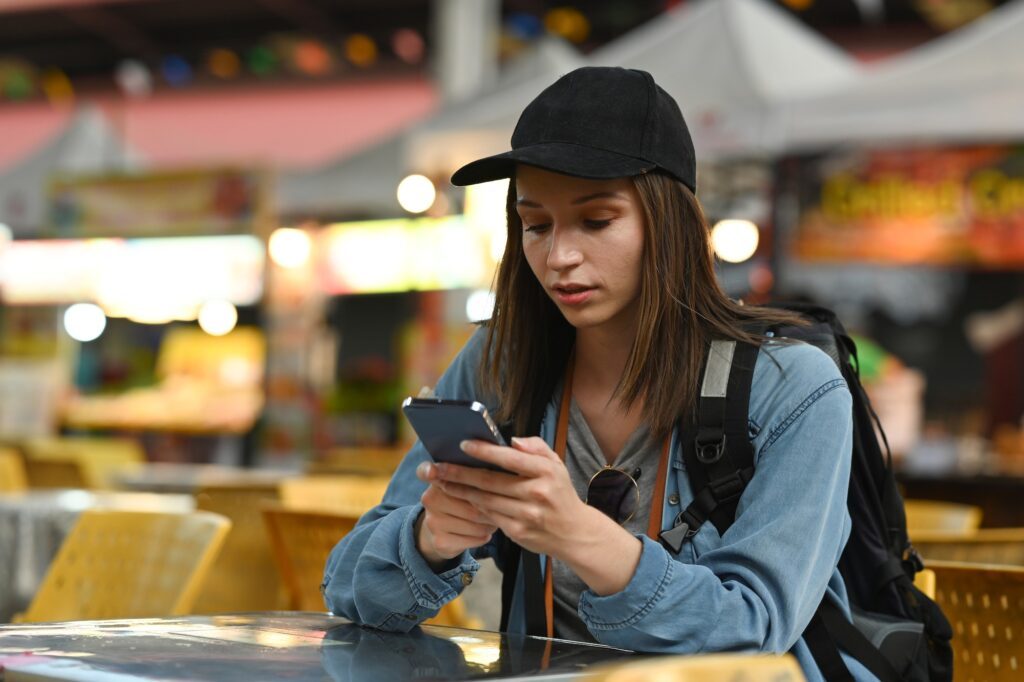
<point>966,85</point>
<point>88,144</point>
<point>730,64</point>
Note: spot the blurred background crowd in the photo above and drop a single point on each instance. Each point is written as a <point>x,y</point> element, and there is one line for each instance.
<point>227,236</point>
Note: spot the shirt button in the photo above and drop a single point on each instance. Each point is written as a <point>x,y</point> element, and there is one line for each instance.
<point>467,579</point>
<point>673,498</point>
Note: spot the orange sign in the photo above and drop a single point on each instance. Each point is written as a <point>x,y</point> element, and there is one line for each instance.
<point>913,206</point>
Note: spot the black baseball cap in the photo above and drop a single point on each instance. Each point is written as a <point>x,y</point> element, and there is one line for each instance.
<point>596,122</point>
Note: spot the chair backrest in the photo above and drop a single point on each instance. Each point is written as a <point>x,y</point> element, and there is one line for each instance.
<point>302,539</point>
<point>353,495</point>
<point>365,461</point>
<point>985,606</point>
<point>928,516</point>
<point>12,471</point>
<point>124,564</point>
<point>703,668</point>
<point>243,577</point>
<point>1001,546</point>
<point>80,462</point>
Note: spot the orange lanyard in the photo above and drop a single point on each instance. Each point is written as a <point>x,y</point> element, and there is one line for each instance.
<point>657,498</point>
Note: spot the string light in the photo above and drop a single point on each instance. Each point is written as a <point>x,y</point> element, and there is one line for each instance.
<point>408,45</point>
<point>175,70</point>
<point>223,63</point>
<point>567,22</point>
<point>312,58</point>
<point>56,86</point>
<point>360,50</point>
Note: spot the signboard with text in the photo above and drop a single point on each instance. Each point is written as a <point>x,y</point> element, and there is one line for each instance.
<point>194,203</point>
<point>938,205</point>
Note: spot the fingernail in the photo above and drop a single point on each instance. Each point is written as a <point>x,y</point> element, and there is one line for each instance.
<point>517,441</point>
<point>465,446</point>
<point>423,469</point>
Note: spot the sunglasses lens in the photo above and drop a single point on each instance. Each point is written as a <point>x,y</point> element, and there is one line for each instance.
<point>615,493</point>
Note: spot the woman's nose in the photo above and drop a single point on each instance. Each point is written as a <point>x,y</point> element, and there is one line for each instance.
<point>564,251</point>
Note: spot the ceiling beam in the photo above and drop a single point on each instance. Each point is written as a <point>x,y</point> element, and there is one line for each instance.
<point>125,36</point>
<point>303,15</point>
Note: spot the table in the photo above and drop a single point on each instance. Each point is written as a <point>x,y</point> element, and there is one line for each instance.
<point>173,477</point>
<point>33,524</point>
<point>998,496</point>
<point>281,645</point>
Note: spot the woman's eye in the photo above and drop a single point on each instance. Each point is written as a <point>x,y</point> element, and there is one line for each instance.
<point>538,227</point>
<point>596,224</point>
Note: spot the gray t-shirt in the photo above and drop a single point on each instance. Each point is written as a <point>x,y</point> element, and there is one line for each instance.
<point>584,458</point>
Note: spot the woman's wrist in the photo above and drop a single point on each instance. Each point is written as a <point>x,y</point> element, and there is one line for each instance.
<point>596,538</point>
<point>437,563</point>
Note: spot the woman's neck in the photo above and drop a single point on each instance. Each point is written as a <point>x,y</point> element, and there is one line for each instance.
<point>600,357</point>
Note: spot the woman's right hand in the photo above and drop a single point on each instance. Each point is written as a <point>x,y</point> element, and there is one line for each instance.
<point>448,526</point>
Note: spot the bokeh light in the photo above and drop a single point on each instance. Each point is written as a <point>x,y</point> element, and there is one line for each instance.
<point>567,22</point>
<point>84,321</point>
<point>416,193</point>
<point>175,70</point>
<point>290,247</point>
<point>480,305</point>
<point>360,50</point>
<point>56,86</point>
<point>223,63</point>
<point>735,240</point>
<point>134,78</point>
<point>312,58</point>
<point>217,318</point>
<point>408,45</point>
<point>262,61</point>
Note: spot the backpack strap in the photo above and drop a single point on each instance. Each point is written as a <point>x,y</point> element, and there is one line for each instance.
<point>830,629</point>
<point>716,448</point>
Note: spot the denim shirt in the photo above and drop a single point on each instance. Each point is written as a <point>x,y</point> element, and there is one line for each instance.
<point>752,590</point>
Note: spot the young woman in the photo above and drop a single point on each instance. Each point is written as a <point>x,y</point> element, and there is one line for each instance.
<point>606,305</point>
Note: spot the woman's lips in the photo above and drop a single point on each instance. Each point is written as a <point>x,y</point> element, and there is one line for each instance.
<point>573,296</point>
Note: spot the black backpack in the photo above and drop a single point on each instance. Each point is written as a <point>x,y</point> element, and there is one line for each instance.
<point>899,634</point>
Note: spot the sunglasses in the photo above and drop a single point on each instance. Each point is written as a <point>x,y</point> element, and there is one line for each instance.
<point>615,493</point>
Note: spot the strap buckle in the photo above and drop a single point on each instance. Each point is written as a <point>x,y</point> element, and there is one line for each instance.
<point>677,535</point>
<point>709,452</point>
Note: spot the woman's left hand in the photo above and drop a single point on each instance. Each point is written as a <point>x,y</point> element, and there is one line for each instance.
<point>535,508</point>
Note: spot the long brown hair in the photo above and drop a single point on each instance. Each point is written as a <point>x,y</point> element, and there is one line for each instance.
<point>681,309</point>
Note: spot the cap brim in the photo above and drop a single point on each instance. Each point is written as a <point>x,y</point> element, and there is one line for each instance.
<point>560,157</point>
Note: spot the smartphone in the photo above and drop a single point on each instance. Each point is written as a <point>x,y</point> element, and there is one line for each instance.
<point>442,424</point>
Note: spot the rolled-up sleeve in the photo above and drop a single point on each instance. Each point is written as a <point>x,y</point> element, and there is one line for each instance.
<point>375,575</point>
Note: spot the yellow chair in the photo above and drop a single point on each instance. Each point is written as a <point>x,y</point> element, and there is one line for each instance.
<point>243,577</point>
<point>924,580</point>
<point>928,516</point>
<point>704,668</point>
<point>12,471</point>
<point>353,495</point>
<point>985,605</point>
<point>80,462</point>
<point>1002,546</point>
<point>121,564</point>
<point>301,541</point>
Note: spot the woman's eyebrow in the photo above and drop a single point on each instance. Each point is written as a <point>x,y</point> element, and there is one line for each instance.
<point>575,202</point>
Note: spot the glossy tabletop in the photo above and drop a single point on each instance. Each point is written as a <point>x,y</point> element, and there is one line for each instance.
<point>280,645</point>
